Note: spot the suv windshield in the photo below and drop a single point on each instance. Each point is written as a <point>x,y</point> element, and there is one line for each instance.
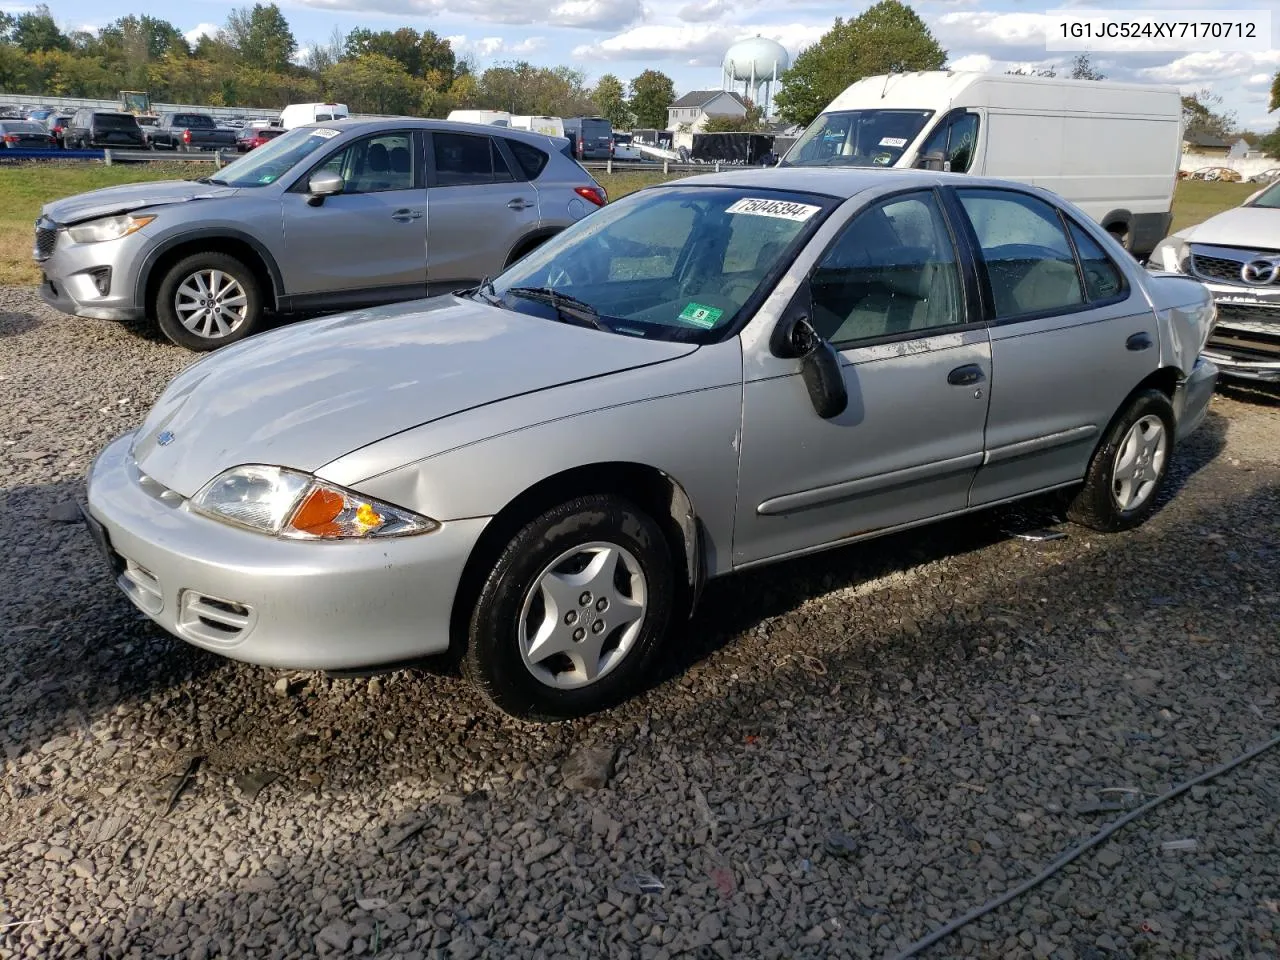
<point>115,121</point>
<point>857,138</point>
<point>273,160</point>
<point>668,263</point>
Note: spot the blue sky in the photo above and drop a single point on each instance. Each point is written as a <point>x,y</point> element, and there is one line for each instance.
<point>687,38</point>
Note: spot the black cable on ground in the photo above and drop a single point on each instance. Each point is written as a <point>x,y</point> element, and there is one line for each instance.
<point>943,932</point>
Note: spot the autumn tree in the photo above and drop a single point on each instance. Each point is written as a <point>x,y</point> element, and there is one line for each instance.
<point>652,94</point>
<point>888,37</point>
<point>261,36</point>
<point>610,100</point>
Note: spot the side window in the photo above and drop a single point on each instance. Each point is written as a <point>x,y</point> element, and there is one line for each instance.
<point>892,271</point>
<point>1029,263</point>
<point>465,158</point>
<point>955,138</point>
<point>376,164</point>
<point>532,160</point>
<point>1102,278</point>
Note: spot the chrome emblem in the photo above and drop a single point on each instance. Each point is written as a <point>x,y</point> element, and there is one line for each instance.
<point>1260,272</point>
<point>164,438</point>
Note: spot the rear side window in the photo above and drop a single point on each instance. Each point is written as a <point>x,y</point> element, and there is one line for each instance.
<point>532,161</point>
<point>1102,278</point>
<point>1030,264</point>
<point>463,158</point>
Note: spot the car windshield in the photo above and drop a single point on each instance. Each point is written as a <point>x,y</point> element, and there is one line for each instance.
<point>114,121</point>
<point>857,138</point>
<point>1269,197</point>
<point>668,263</point>
<point>273,160</point>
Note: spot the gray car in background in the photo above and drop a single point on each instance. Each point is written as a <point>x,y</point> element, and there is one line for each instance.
<point>706,376</point>
<point>332,215</point>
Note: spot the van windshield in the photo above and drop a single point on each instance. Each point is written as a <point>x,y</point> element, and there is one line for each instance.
<point>857,138</point>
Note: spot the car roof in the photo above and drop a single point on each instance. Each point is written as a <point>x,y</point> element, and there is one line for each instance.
<point>841,182</point>
<point>420,123</point>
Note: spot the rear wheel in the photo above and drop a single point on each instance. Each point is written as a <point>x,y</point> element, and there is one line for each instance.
<point>1129,468</point>
<point>573,612</point>
<point>208,300</point>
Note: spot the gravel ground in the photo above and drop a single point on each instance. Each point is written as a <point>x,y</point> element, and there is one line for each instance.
<point>842,753</point>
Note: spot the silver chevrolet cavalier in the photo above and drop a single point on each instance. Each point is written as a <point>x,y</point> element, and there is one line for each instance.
<point>539,474</point>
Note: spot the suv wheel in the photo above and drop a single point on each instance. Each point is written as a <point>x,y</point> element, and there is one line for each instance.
<point>573,612</point>
<point>208,300</point>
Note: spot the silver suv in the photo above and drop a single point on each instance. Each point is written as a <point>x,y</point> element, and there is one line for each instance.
<point>327,216</point>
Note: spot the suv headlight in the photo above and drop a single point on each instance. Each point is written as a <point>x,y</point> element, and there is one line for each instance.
<point>289,503</point>
<point>107,228</point>
<point>1171,254</point>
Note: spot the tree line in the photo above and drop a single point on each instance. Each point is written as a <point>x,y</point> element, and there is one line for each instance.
<point>255,60</point>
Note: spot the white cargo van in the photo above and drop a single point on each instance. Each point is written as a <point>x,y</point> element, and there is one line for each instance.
<point>490,118</point>
<point>1112,149</point>
<point>547,126</point>
<point>298,114</point>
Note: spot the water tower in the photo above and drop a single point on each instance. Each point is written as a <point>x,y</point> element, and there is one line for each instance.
<point>755,63</point>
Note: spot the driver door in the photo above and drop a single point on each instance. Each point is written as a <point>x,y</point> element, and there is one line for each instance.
<point>897,299</point>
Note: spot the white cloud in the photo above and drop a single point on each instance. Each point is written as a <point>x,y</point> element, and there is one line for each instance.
<point>704,10</point>
<point>1209,67</point>
<point>973,61</point>
<point>193,35</point>
<point>700,45</point>
<point>593,14</point>
<point>1260,81</point>
<point>984,28</point>
<point>486,47</point>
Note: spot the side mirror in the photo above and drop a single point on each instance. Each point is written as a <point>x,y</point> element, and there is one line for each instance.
<point>326,183</point>
<point>819,365</point>
<point>934,160</point>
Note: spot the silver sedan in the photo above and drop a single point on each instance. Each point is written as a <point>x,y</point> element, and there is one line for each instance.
<point>538,475</point>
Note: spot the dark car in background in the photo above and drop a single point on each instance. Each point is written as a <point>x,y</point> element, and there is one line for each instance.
<point>25,135</point>
<point>57,127</point>
<point>191,131</point>
<point>592,137</point>
<point>89,129</point>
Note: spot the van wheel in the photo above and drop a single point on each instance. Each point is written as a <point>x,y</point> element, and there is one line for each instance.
<point>208,300</point>
<point>1129,468</point>
<point>573,612</point>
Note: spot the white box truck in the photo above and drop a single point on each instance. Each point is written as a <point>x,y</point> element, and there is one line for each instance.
<point>488,118</point>
<point>547,126</point>
<point>1113,149</point>
<point>300,114</point>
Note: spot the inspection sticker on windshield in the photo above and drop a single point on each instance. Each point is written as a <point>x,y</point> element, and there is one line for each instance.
<point>701,316</point>
<point>893,141</point>
<point>780,209</point>
<point>326,133</point>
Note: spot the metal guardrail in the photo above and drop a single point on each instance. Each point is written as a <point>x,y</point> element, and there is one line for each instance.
<point>109,156</point>
<point>666,166</point>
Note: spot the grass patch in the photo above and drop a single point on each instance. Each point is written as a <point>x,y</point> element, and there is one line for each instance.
<point>25,188</point>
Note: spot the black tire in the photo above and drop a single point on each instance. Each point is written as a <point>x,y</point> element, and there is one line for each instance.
<point>493,660</point>
<point>165,307</point>
<point>1097,504</point>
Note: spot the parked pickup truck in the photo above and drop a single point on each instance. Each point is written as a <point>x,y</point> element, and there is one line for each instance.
<point>190,131</point>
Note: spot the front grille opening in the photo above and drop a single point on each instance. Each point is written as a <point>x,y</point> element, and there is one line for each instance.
<point>213,619</point>
<point>101,279</point>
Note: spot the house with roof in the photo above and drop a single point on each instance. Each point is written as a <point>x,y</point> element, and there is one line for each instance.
<point>1206,144</point>
<point>694,109</point>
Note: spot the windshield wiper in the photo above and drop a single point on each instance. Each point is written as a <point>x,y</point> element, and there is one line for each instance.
<point>565,305</point>
<point>486,292</point>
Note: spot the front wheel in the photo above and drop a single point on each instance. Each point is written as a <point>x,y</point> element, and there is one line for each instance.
<point>1129,468</point>
<point>208,300</point>
<point>573,612</point>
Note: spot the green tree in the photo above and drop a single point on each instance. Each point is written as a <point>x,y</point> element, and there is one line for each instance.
<point>1270,144</point>
<point>418,53</point>
<point>37,30</point>
<point>373,83</point>
<point>1032,72</point>
<point>610,99</point>
<point>261,36</point>
<point>521,87</point>
<point>652,94</point>
<point>1082,68</point>
<point>1275,93</point>
<point>886,38</point>
<point>145,38</point>
<point>1200,116</point>
<point>750,123</point>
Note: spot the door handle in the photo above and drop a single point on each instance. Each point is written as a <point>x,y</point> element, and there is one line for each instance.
<point>404,216</point>
<point>964,376</point>
<point>520,203</point>
<point>1139,341</point>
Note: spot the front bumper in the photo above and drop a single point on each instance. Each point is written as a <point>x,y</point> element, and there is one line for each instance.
<point>280,603</point>
<point>1245,342</point>
<point>69,281</point>
<point>1192,398</point>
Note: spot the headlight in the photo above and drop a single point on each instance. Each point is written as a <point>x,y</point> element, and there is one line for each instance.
<point>1171,254</point>
<point>108,228</point>
<point>289,503</point>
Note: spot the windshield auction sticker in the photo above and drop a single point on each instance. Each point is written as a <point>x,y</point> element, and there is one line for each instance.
<point>325,132</point>
<point>700,315</point>
<point>898,142</point>
<point>779,209</point>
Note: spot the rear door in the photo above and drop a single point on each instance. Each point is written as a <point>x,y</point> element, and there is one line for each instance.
<point>1070,339</point>
<point>479,209</point>
<point>368,243</point>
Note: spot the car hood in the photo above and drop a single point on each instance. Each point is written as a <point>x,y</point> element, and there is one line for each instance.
<point>309,393</point>
<point>1239,227</point>
<point>113,200</point>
